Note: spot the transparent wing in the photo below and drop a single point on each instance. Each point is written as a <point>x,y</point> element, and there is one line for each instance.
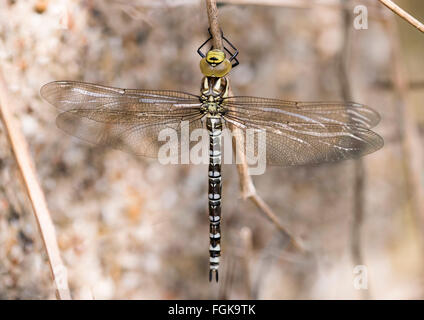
<point>126,119</point>
<point>274,110</point>
<point>300,133</point>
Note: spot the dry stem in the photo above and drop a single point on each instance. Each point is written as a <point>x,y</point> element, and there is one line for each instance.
<point>403,14</point>
<point>35,193</point>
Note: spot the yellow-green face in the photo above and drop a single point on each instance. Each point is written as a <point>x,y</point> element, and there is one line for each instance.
<point>215,64</point>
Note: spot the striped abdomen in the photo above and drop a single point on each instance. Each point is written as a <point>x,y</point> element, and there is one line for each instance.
<point>214,126</point>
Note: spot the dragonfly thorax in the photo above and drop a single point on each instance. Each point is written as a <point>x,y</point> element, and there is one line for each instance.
<point>213,109</point>
<point>213,91</point>
<point>214,88</point>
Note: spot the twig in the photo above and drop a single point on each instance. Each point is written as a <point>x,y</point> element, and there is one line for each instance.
<point>36,196</point>
<point>359,176</point>
<point>213,24</point>
<point>403,14</point>
<point>246,185</point>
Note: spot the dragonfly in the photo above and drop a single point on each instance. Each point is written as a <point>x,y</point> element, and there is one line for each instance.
<point>297,133</point>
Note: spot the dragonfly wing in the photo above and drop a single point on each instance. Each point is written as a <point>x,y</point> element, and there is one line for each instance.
<point>126,119</point>
<point>74,95</point>
<point>305,133</point>
<point>339,113</point>
<point>142,138</point>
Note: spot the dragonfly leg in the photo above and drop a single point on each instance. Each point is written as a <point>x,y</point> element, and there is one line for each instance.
<point>199,50</point>
<point>233,55</point>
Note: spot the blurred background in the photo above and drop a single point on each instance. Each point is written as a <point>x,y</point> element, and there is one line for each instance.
<point>131,228</point>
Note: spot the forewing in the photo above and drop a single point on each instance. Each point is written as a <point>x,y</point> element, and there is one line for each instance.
<point>306,133</point>
<point>339,113</point>
<point>126,119</point>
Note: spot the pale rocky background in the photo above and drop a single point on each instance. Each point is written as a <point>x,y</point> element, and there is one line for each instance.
<point>130,228</point>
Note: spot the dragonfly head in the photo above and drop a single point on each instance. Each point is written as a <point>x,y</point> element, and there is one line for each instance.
<point>215,64</point>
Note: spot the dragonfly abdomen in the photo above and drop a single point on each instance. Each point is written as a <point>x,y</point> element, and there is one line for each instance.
<point>214,126</point>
